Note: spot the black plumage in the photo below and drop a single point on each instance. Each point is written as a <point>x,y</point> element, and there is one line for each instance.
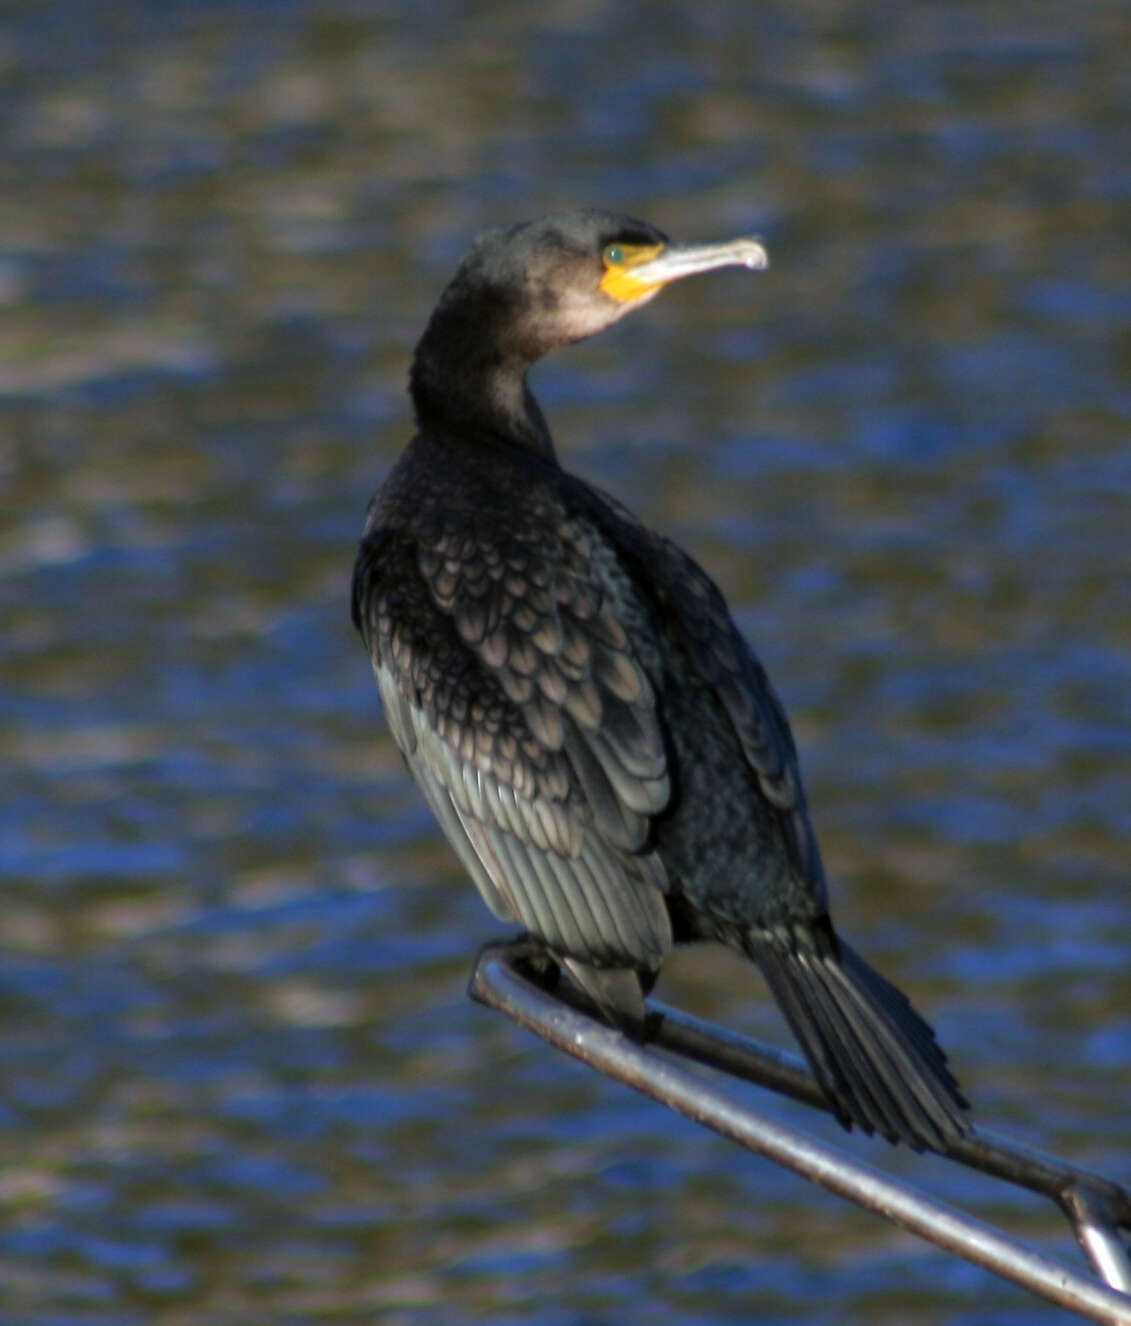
<point>598,742</point>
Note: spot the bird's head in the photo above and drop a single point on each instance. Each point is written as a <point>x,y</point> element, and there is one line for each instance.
<point>525,291</point>
<point>546,283</point>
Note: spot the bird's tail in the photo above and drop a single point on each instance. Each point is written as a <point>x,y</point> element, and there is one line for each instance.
<point>875,1058</point>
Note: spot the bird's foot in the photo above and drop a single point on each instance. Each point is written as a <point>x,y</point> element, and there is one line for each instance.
<point>527,955</point>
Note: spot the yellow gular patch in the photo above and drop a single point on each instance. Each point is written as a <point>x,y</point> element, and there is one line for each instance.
<point>618,282</point>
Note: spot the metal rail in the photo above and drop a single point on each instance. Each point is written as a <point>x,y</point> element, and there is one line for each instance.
<point>1096,1207</point>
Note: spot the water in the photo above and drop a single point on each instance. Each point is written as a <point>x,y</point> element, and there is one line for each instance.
<point>240,1077</point>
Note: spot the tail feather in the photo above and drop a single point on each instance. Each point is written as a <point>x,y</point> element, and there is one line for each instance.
<point>875,1058</point>
<point>824,1059</point>
<point>854,1064</point>
<point>918,1029</point>
<point>910,1041</point>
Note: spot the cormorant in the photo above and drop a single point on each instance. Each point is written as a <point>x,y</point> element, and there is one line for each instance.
<point>598,742</point>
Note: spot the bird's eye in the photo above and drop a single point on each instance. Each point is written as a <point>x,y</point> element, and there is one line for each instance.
<point>613,255</point>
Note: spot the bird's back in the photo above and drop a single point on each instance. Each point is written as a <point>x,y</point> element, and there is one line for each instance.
<point>736,838</point>
<point>492,554</point>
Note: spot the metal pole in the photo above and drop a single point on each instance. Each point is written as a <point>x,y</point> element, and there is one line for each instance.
<point>1093,1205</point>
<point>1001,1157</point>
<point>1096,1233</point>
<point>497,983</point>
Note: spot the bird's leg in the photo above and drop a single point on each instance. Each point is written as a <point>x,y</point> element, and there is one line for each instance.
<point>615,996</point>
<point>618,994</point>
<point>653,1024</point>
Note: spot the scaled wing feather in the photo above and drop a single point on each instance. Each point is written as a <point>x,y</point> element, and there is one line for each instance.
<point>529,726</point>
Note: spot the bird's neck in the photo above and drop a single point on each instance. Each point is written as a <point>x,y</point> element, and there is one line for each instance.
<point>466,380</point>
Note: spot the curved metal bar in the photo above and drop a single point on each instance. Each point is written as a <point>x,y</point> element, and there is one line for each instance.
<point>497,983</point>
<point>1097,1234</point>
<point>1093,1205</point>
<point>1001,1157</point>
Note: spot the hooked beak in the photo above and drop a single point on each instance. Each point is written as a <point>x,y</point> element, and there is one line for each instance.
<point>645,271</point>
<point>679,260</point>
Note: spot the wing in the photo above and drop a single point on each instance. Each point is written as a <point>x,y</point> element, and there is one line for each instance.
<point>698,616</point>
<point>511,690</point>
